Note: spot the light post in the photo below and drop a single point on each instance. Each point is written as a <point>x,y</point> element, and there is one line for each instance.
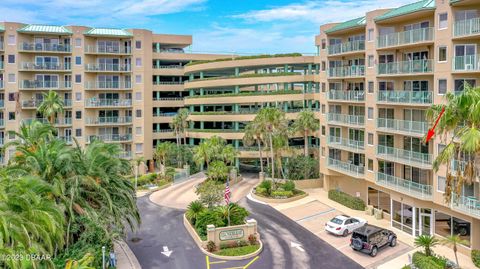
<point>103,257</point>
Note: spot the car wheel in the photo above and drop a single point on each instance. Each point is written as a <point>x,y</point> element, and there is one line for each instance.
<point>374,252</point>
<point>393,242</point>
<point>345,232</point>
<point>462,231</point>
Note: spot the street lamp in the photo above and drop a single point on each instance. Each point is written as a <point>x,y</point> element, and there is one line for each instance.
<point>103,257</point>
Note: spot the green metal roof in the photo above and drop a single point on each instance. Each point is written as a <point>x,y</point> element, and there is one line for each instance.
<point>410,8</point>
<point>108,32</point>
<point>348,24</point>
<point>49,29</point>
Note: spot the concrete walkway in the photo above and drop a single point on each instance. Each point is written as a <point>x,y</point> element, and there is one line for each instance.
<point>125,257</point>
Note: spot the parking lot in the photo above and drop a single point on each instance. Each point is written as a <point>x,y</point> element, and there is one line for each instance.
<point>314,215</point>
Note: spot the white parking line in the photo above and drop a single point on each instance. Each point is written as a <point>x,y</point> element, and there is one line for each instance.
<point>315,215</point>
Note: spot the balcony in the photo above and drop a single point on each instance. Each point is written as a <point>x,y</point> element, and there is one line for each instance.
<point>2,103</point>
<point>405,97</point>
<point>421,191</point>
<point>94,102</point>
<point>467,63</point>
<point>108,85</point>
<point>1,46</point>
<point>108,120</point>
<point>347,47</point>
<point>346,168</point>
<point>346,144</point>
<point>465,28</point>
<point>2,65</point>
<point>343,119</point>
<point>34,103</point>
<point>469,205</point>
<point>167,82</point>
<point>347,71</point>
<point>406,157</point>
<point>125,154</point>
<point>29,66</point>
<point>63,121</point>
<point>404,127</point>
<point>118,50</point>
<point>45,85</point>
<point>405,38</point>
<point>349,96</point>
<point>168,66</point>
<point>110,138</point>
<point>108,68</point>
<point>406,67</point>
<point>2,123</point>
<point>66,139</point>
<point>44,47</point>
<point>1,84</point>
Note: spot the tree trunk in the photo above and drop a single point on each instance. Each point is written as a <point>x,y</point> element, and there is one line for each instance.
<point>260,153</point>
<point>306,143</point>
<point>271,152</point>
<point>184,138</point>
<point>456,258</point>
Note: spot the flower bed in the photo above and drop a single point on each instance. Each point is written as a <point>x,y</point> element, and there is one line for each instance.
<point>238,251</point>
<point>267,191</point>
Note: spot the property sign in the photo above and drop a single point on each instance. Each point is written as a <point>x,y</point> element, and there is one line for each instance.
<point>231,234</point>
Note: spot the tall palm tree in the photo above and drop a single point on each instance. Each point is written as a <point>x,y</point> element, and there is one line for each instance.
<point>459,128</point>
<point>176,126</point>
<point>453,241</point>
<point>51,105</point>
<point>161,153</point>
<point>182,121</point>
<point>202,154</point>
<point>228,154</point>
<point>253,134</point>
<point>217,170</point>
<point>426,242</point>
<point>137,161</point>
<point>306,123</point>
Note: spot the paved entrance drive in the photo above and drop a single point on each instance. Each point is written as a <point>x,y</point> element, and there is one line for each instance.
<point>313,216</point>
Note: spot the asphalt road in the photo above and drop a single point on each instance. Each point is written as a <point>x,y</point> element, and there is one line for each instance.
<point>162,226</point>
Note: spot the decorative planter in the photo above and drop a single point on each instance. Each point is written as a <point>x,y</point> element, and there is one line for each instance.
<point>369,210</point>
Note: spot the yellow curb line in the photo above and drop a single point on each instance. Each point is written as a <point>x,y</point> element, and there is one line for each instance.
<point>208,262</point>
<point>250,263</point>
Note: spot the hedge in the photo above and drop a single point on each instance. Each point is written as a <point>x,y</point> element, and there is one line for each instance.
<point>476,257</point>
<point>346,200</point>
<point>428,262</point>
<point>282,194</point>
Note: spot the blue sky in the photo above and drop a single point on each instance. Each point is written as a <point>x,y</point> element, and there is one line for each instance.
<point>241,26</point>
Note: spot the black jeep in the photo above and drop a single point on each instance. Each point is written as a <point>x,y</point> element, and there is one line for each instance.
<point>369,239</point>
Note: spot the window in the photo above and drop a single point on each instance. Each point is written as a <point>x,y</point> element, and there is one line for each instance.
<point>139,148</point>
<point>460,227</point>
<point>11,115</point>
<point>78,42</point>
<point>370,113</point>
<point>78,96</point>
<point>138,44</point>
<point>440,148</point>
<point>442,86</point>
<point>324,86</point>
<point>138,130</point>
<point>78,132</point>
<point>138,79</point>
<point>441,183</point>
<point>11,59</point>
<point>323,66</point>
<point>78,78</point>
<point>324,44</point>
<point>11,135</point>
<point>370,139</point>
<point>370,87</point>
<point>370,35</point>
<point>138,113</point>
<point>78,115</point>
<point>461,84</point>
<point>11,96</point>
<point>323,151</point>
<point>138,61</point>
<point>370,165</point>
<point>138,96</point>
<point>323,108</point>
<point>11,40</point>
<point>370,60</point>
<point>442,21</point>
<point>323,129</point>
<point>442,54</point>
<point>12,78</point>
<point>78,60</point>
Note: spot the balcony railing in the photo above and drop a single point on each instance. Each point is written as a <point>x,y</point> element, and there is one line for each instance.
<point>109,67</point>
<point>108,49</point>
<point>125,155</point>
<point>404,126</point>
<point>346,119</point>
<point>110,138</point>
<point>168,83</point>
<point>358,45</point>
<point>30,120</point>
<point>406,67</point>
<point>91,85</point>
<point>408,187</point>
<point>35,84</point>
<point>67,139</point>
<point>347,71</point>
<point>469,204</point>
<point>405,97</point>
<point>43,47</point>
<point>346,168</point>
<point>168,98</point>
<point>108,120</point>
<point>405,156</point>
<point>45,66</point>
<point>466,63</point>
<point>63,121</point>
<point>163,130</point>
<point>94,102</point>
<point>466,27</point>
<point>405,38</point>
<point>348,144</point>
<point>168,66</point>
<point>357,96</point>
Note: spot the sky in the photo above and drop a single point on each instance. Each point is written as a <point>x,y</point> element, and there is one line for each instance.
<point>231,26</point>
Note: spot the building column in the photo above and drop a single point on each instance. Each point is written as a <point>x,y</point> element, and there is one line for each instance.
<point>157,46</point>
<point>201,75</point>
<point>237,71</point>
<point>309,69</point>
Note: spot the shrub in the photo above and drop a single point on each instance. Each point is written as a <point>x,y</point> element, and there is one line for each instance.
<point>261,191</point>
<point>420,260</point>
<point>282,194</point>
<point>194,210</point>
<point>289,185</point>
<point>406,267</point>
<point>476,257</point>
<point>346,200</point>
<point>146,179</point>
<point>302,167</point>
<point>211,246</point>
<point>237,214</point>
<point>242,243</point>
<point>205,218</point>
<point>267,185</point>
<point>252,239</point>
<point>210,192</point>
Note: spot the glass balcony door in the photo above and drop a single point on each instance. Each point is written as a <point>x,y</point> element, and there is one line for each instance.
<point>465,57</point>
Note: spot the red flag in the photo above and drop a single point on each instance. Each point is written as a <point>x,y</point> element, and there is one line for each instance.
<point>431,132</point>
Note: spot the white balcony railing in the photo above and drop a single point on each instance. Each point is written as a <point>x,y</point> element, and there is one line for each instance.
<point>346,119</point>
<point>405,67</point>
<point>404,126</point>
<point>91,85</point>
<point>45,66</point>
<point>406,37</point>
<point>355,96</point>
<point>108,49</point>
<point>346,47</point>
<point>44,47</point>
<point>95,102</point>
<point>110,138</point>
<point>108,67</point>
<point>346,168</point>
<point>347,71</point>
<point>108,120</point>
<point>413,158</point>
<point>405,97</point>
<point>466,27</point>
<point>408,187</point>
<point>347,144</point>
<point>466,63</point>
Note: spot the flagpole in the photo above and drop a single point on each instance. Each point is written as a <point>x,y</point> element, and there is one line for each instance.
<point>228,204</point>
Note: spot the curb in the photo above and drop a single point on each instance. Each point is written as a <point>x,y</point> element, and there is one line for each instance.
<point>132,259</point>
<point>264,200</point>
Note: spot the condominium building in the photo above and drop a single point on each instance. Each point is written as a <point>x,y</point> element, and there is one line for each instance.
<point>379,74</point>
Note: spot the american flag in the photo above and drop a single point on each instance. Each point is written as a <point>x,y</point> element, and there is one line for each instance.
<point>227,193</point>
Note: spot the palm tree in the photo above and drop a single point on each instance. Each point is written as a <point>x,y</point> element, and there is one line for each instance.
<point>426,242</point>
<point>161,153</point>
<point>193,211</point>
<point>228,154</point>
<point>137,161</point>
<point>217,170</point>
<point>50,106</point>
<point>253,134</point>
<point>453,241</point>
<point>461,119</point>
<point>202,154</point>
<point>182,121</point>
<point>176,126</point>
<point>306,123</point>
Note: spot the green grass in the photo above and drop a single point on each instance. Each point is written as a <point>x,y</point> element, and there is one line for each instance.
<point>246,58</point>
<point>239,251</point>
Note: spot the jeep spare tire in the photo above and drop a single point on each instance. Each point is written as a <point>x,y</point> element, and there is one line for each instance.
<point>357,244</point>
